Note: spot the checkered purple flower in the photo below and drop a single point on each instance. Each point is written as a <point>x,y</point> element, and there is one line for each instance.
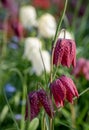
<point>63,88</point>
<point>65,53</point>
<point>36,100</point>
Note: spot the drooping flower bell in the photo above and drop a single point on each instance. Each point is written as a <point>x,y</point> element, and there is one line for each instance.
<point>32,106</point>
<point>63,88</point>
<point>45,102</point>
<point>82,68</point>
<point>36,100</point>
<point>65,53</point>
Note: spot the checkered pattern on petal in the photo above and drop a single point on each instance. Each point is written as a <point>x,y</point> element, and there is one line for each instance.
<point>63,88</point>
<point>59,92</point>
<point>33,104</point>
<point>59,49</point>
<point>45,102</point>
<point>65,53</point>
<point>70,87</point>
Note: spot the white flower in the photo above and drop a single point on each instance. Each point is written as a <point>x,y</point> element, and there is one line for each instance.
<point>47,25</point>
<point>28,16</point>
<point>68,35</point>
<point>31,44</point>
<point>37,63</point>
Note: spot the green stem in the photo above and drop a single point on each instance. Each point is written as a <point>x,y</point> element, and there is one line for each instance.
<point>60,22</point>
<point>23,105</point>
<point>44,67</point>
<point>24,92</point>
<point>53,46</point>
<point>73,115</point>
<point>51,124</point>
<point>4,47</point>
<point>56,36</point>
<point>43,121</point>
<point>82,93</point>
<point>11,111</point>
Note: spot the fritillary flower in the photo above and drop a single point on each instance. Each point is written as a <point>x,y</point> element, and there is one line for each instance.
<point>32,106</point>
<point>65,53</point>
<point>35,101</point>
<point>63,88</point>
<point>45,102</point>
<point>82,68</point>
<point>14,27</point>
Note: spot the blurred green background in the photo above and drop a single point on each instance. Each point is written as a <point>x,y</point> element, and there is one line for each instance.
<point>16,72</point>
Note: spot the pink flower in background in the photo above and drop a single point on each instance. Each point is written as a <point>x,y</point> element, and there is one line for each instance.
<point>11,5</point>
<point>36,100</point>
<point>63,88</point>
<point>82,68</point>
<point>65,53</point>
<point>14,27</point>
<point>44,4</point>
<point>86,70</point>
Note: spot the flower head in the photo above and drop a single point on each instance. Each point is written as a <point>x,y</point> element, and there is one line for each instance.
<point>44,4</point>
<point>37,62</point>
<point>47,25</point>
<point>31,44</point>
<point>82,68</point>
<point>28,16</point>
<point>65,52</point>
<point>36,100</point>
<point>63,88</point>
<point>14,27</point>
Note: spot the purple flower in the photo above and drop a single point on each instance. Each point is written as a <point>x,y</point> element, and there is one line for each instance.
<point>14,27</point>
<point>65,53</point>
<point>33,106</point>
<point>63,88</point>
<point>45,102</point>
<point>11,6</point>
<point>36,100</point>
<point>18,117</point>
<point>82,68</point>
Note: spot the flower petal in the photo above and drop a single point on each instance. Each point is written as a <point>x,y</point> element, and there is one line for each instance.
<point>58,52</point>
<point>72,52</point>
<point>43,98</point>
<point>66,57</point>
<point>57,98</point>
<point>66,82</point>
<point>65,52</point>
<point>34,106</point>
<point>59,92</point>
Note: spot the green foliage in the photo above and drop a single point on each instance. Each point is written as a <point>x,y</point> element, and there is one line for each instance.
<point>13,66</point>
